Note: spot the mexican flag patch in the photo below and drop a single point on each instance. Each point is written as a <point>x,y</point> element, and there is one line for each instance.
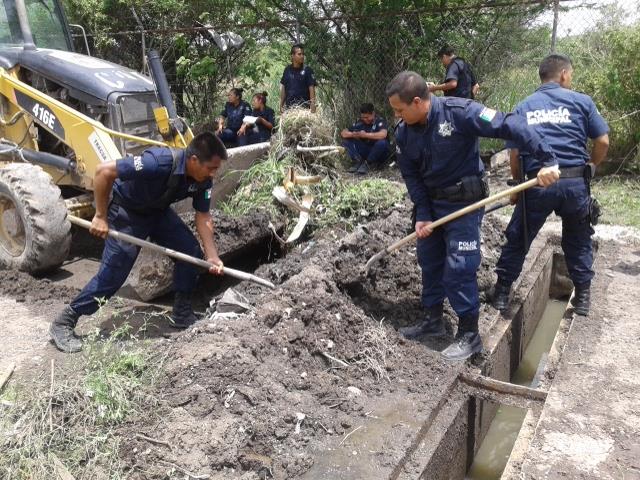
<point>487,114</point>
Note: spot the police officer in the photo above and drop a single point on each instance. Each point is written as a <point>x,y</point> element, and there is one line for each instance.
<point>297,85</point>
<point>234,112</point>
<point>265,119</point>
<point>366,140</point>
<point>142,189</point>
<point>438,156</point>
<point>459,79</point>
<point>567,119</point>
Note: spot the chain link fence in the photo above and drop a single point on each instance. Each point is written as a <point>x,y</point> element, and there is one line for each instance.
<point>354,55</point>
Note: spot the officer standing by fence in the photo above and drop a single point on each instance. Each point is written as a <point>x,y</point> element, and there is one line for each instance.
<point>143,189</point>
<point>298,84</point>
<point>567,119</point>
<point>459,79</point>
<point>438,155</point>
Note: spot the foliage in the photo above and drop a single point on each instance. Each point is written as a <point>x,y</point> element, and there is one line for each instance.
<point>72,420</point>
<point>619,200</point>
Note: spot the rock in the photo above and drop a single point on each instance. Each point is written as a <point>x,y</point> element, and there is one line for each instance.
<point>354,391</point>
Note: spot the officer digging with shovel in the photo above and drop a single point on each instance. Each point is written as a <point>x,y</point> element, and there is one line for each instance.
<point>438,155</point>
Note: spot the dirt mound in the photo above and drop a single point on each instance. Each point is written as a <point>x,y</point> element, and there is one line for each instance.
<point>32,290</point>
<point>259,395</point>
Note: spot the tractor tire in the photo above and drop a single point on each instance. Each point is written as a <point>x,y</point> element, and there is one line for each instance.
<point>35,235</point>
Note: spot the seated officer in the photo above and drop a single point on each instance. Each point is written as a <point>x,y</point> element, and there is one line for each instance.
<point>261,131</point>
<point>143,188</point>
<point>567,119</point>
<point>366,140</point>
<point>234,111</point>
<point>439,158</point>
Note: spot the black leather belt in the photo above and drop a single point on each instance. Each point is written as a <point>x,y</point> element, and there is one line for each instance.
<point>565,172</point>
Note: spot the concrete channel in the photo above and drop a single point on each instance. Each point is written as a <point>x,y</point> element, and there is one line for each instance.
<point>440,441</point>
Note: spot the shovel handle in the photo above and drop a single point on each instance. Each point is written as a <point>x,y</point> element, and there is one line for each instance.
<point>463,211</point>
<point>173,253</point>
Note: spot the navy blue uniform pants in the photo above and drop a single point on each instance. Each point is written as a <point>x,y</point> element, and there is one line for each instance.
<point>251,137</point>
<point>164,228</point>
<point>375,153</point>
<point>449,259</point>
<point>569,199</point>
<point>228,136</point>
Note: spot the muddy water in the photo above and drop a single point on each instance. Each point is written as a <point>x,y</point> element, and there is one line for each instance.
<point>495,449</point>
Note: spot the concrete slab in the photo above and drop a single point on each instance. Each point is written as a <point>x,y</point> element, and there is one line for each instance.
<point>590,423</point>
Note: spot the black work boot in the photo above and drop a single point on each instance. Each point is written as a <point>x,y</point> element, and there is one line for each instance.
<point>431,326</point>
<point>581,300</point>
<point>501,295</point>
<point>465,345</point>
<point>467,341</point>
<point>182,316</point>
<point>355,165</point>
<point>61,331</point>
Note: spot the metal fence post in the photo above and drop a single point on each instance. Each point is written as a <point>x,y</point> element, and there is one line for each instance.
<point>554,32</point>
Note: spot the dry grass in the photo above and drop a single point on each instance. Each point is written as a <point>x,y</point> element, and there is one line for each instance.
<point>376,349</point>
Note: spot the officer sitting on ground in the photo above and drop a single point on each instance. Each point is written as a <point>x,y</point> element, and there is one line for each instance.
<point>232,114</point>
<point>366,141</point>
<point>143,188</point>
<point>439,158</point>
<point>265,120</point>
<point>567,119</point>
<point>459,79</point>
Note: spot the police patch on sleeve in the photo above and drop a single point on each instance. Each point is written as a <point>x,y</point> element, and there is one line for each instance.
<point>487,114</point>
<point>207,194</point>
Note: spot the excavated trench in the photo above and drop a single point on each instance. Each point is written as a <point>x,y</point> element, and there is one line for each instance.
<point>314,382</point>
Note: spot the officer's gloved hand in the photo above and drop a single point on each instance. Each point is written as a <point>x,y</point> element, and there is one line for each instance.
<point>548,175</point>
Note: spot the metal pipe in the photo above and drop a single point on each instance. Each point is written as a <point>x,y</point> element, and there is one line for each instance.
<point>84,35</point>
<point>43,158</point>
<point>162,86</point>
<point>23,19</point>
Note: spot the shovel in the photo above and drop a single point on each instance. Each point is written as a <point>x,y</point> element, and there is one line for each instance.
<point>452,216</point>
<point>173,254</point>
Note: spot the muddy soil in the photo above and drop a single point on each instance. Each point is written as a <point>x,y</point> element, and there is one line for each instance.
<point>236,386</point>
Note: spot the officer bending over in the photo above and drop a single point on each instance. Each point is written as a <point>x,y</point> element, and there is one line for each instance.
<point>459,79</point>
<point>366,141</point>
<point>567,120</point>
<point>143,188</point>
<point>438,155</point>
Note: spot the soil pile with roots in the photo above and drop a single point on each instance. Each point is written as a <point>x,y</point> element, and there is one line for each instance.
<point>257,395</point>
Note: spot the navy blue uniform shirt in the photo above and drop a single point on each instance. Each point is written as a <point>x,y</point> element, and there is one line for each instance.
<point>269,115</point>
<point>440,153</point>
<point>142,180</point>
<point>378,124</point>
<point>296,83</point>
<point>234,115</point>
<point>458,70</point>
<point>566,119</point>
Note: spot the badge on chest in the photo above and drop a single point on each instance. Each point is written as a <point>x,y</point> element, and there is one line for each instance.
<point>445,129</point>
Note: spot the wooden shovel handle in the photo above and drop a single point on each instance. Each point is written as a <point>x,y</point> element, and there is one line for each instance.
<point>463,211</point>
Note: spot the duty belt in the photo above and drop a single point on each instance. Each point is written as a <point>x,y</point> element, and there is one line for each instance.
<point>565,172</point>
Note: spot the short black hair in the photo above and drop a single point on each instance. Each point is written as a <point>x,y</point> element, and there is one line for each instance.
<point>552,65</point>
<point>205,146</point>
<point>446,50</point>
<point>367,108</point>
<point>238,92</point>
<point>295,46</point>
<point>407,85</point>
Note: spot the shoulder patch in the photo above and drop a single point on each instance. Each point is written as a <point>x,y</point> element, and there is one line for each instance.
<point>487,114</point>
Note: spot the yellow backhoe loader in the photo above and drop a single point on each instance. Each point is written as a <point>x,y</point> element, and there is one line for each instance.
<point>62,113</point>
